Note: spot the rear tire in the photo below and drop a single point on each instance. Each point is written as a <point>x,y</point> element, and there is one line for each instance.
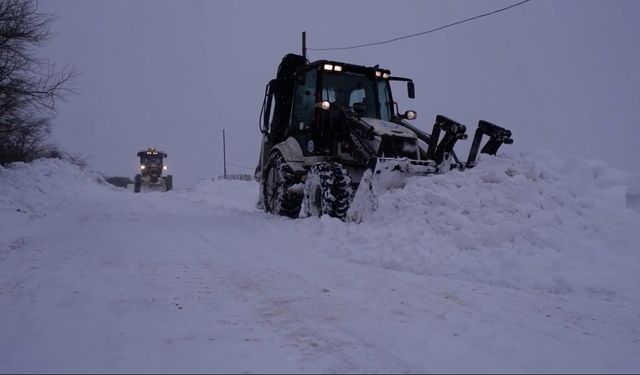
<point>327,191</point>
<point>137,183</point>
<point>277,178</point>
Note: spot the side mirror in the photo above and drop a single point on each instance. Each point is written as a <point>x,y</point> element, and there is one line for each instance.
<point>411,89</point>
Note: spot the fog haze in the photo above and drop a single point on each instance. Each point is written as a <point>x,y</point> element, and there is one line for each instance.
<point>562,75</point>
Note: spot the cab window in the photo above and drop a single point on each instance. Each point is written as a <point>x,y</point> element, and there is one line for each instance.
<point>304,101</point>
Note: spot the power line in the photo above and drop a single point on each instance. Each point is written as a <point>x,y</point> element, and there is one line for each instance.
<point>422,33</point>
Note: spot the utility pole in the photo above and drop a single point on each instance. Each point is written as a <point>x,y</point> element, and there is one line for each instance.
<point>224,154</point>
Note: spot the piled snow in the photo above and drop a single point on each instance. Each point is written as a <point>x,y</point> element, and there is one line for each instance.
<point>539,222</point>
<point>527,221</point>
<point>526,263</point>
<point>32,189</point>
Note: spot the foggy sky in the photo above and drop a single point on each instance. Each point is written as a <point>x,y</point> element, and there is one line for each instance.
<point>562,75</point>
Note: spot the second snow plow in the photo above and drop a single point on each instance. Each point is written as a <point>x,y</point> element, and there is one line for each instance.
<point>152,169</point>
<point>333,140</point>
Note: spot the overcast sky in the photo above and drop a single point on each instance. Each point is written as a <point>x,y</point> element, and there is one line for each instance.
<point>562,75</point>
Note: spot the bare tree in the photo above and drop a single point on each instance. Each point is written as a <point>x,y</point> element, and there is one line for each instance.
<point>29,85</point>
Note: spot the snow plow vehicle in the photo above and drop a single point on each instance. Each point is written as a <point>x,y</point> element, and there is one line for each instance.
<point>151,170</point>
<point>334,140</point>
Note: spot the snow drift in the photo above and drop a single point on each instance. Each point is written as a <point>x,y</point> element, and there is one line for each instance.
<point>528,221</point>
<point>526,263</point>
<point>542,222</point>
<point>32,187</point>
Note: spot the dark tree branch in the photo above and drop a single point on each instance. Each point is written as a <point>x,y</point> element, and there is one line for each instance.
<point>30,86</point>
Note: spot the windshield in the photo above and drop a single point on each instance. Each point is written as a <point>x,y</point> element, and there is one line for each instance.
<point>151,160</point>
<point>346,89</point>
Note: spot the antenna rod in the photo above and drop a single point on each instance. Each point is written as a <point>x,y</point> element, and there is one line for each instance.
<point>304,44</point>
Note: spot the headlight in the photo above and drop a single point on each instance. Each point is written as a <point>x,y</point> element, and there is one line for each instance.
<point>164,167</point>
<point>410,115</point>
<point>324,105</point>
<point>335,68</point>
<point>142,167</point>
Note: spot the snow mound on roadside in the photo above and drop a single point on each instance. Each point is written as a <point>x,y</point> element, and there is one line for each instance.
<point>539,222</point>
<point>29,187</point>
<point>528,221</point>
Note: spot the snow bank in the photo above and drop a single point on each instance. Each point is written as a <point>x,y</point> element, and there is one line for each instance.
<point>31,188</point>
<point>539,222</point>
<point>528,221</point>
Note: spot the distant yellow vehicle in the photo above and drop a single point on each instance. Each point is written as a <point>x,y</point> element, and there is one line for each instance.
<point>151,170</point>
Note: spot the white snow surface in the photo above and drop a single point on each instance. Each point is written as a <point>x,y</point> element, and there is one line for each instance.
<point>526,263</point>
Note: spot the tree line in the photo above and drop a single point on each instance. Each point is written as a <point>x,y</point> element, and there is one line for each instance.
<point>30,86</point>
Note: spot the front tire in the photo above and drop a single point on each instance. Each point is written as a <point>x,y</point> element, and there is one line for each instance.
<point>137,183</point>
<point>327,191</point>
<point>278,177</point>
<point>168,183</point>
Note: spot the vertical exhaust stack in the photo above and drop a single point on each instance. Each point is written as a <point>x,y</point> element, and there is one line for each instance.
<point>304,44</point>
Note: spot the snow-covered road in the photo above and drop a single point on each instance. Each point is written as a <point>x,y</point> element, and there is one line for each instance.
<point>98,279</point>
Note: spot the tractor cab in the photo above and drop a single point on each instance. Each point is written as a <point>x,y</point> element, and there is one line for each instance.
<point>151,162</point>
<point>316,103</point>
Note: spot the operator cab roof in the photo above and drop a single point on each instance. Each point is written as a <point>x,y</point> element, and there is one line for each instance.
<point>152,151</point>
